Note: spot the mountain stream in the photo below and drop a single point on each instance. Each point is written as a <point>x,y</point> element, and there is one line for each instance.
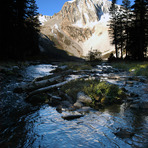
<point>23,125</point>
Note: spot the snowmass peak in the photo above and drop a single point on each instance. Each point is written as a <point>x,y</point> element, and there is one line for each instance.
<point>85,12</point>
<point>80,26</point>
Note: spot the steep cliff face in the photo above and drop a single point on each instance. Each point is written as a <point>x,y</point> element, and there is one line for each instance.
<point>83,13</point>
<point>80,26</point>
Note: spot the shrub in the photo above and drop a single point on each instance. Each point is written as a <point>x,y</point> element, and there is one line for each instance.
<point>105,93</point>
<point>94,56</point>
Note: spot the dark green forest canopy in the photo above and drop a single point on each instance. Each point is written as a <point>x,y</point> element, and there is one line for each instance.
<point>20,28</point>
<point>129,29</point>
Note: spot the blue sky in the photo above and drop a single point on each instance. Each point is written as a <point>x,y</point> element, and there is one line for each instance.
<point>49,7</point>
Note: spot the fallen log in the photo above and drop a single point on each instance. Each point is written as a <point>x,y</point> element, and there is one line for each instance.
<point>44,89</point>
<point>42,82</point>
<point>36,85</point>
<point>61,74</point>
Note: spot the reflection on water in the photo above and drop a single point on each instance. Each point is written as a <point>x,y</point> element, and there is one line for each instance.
<point>23,125</point>
<point>39,70</point>
<point>46,128</point>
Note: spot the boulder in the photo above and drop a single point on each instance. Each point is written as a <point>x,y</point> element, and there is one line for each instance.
<point>59,108</point>
<point>66,104</point>
<point>81,97</point>
<point>78,105</point>
<point>55,100</point>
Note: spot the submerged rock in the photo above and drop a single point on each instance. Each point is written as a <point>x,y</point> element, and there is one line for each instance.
<point>144,105</point>
<point>123,133</point>
<point>59,109</point>
<point>71,117</point>
<point>84,110</point>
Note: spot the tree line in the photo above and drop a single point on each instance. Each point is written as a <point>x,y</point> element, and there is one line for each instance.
<point>19,29</point>
<point>129,30</point>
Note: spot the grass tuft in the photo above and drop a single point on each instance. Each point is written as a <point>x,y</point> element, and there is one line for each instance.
<point>137,68</point>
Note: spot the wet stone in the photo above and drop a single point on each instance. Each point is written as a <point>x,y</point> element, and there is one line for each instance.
<point>124,89</point>
<point>134,106</point>
<point>133,95</point>
<point>78,105</point>
<point>129,99</point>
<point>71,117</point>
<point>136,101</point>
<point>123,133</point>
<point>81,97</point>
<point>85,110</point>
<point>66,104</point>
<point>55,100</point>
<point>144,105</point>
<point>130,82</point>
<point>59,108</point>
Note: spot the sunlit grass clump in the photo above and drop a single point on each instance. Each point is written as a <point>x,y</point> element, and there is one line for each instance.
<point>101,93</point>
<point>137,68</point>
<point>77,65</point>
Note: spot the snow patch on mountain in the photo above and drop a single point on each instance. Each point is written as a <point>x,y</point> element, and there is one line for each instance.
<point>43,18</point>
<point>105,18</point>
<point>71,1</point>
<point>80,26</point>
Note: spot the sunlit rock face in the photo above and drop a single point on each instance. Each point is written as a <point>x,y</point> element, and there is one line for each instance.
<point>84,13</point>
<point>80,26</point>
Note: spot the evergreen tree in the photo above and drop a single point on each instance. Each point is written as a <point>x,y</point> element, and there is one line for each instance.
<point>126,9</point>
<point>19,29</point>
<point>113,25</point>
<point>32,24</point>
<point>138,30</point>
<point>120,32</point>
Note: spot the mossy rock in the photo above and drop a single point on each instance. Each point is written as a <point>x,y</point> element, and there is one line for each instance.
<point>101,93</point>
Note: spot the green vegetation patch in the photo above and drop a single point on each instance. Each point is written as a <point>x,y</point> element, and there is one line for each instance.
<point>137,68</point>
<point>101,93</point>
<point>77,65</point>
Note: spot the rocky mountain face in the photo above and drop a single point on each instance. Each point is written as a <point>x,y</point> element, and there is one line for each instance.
<point>80,26</point>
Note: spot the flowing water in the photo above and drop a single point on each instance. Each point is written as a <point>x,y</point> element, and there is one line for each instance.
<point>23,125</point>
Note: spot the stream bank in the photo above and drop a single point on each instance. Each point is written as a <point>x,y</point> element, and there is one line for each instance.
<point>44,126</point>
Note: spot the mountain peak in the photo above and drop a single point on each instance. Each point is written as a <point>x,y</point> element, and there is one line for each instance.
<point>84,12</point>
<point>80,26</point>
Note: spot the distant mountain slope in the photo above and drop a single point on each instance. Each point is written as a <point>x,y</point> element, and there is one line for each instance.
<point>80,26</point>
